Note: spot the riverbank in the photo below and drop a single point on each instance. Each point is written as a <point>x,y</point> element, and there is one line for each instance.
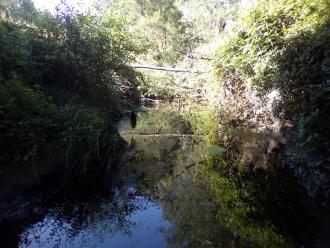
<point>61,92</point>
<point>250,177</point>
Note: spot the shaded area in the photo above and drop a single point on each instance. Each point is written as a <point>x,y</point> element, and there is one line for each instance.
<point>303,79</point>
<point>171,192</point>
<point>262,196</point>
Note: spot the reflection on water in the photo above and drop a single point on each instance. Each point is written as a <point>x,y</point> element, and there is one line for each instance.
<point>170,190</point>
<point>119,222</point>
<point>131,212</point>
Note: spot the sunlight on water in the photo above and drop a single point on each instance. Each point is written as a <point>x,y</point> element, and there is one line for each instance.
<point>144,227</point>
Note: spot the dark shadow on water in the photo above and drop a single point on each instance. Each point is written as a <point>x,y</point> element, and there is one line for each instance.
<point>99,214</point>
<point>264,193</point>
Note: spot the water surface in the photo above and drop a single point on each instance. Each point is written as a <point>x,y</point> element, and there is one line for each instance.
<point>168,191</point>
<point>131,211</point>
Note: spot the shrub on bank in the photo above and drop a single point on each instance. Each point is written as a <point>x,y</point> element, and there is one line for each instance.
<point>63,81</point>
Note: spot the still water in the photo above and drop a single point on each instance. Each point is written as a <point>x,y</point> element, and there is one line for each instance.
<point>163,194</point>
<point>136,208</point>
<point>142,227</point>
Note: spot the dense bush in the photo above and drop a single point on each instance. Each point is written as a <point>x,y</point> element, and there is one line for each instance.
<point>63,80</point>
<point>285,47</point>
<point>28,118</point>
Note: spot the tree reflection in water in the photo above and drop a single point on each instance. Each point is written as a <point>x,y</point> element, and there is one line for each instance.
<point>178,191</point>
<point>123,221</point>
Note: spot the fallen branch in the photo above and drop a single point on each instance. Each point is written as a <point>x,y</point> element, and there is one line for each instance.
<point>168,69</point>
<point>150,99</point>
<point>163,135</point>
<point>187,168</point>
<point>183,87</point>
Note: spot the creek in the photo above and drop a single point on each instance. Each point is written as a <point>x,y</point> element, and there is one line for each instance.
<point>161,194</point>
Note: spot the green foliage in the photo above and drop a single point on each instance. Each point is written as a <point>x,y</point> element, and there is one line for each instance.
<point>89,141</point>
<point>167,118</point>
<point>161,27</point>
<point>61,80</point>
<point>203,121</point>
<point>22,10</point>
<point>257,207</point>
<point>166,30</point>
<point>157,85</point>
<point>28,119</point>
<point>263,34</point>
<point>235,212</point>
<point>207,20</point>
<point>285,48</point>
<point>83,54</point>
